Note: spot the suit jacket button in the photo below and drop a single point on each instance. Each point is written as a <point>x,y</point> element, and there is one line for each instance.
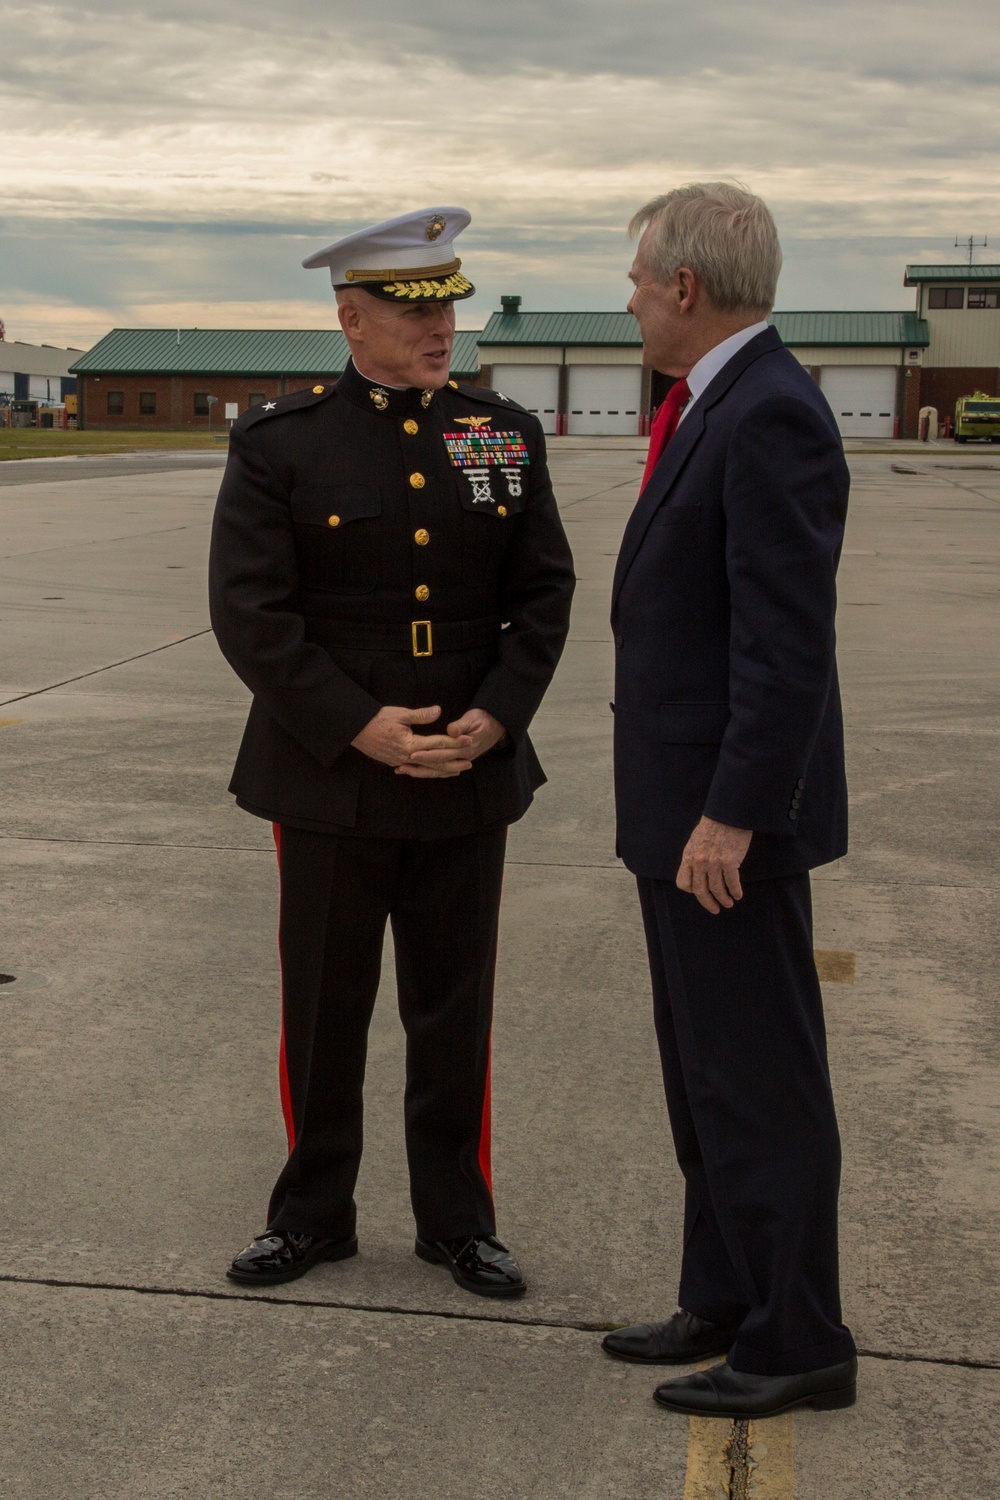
<point>619,641</point>
<point>333,520</point>
<point>422,592</point>
<point>421,537</point>
<point>417,481</point>
<point>318,390</point>
<point>411,427</point>
<point>501,510</point>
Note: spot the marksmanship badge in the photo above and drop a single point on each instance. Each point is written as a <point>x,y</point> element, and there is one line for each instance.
<point>477,452</point>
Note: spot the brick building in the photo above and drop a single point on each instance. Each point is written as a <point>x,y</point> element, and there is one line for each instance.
<point>961,307</point>
<point>161,379</point>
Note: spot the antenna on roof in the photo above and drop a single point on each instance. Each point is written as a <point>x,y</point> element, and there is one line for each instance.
<point>971,244</point>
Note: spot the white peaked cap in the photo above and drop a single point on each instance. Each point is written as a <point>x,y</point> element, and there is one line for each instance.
<point>409,259</point>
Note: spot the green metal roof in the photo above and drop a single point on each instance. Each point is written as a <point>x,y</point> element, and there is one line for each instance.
<point>840,329</point>
<point>916,274</point>
<point>620,328</point>
<point>238,351</point>
<point>558,328</point>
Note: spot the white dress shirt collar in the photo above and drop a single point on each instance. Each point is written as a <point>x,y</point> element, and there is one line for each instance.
<point>705,371</point>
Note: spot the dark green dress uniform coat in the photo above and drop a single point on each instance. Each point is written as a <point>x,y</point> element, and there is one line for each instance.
<point>355,525</point>
<point>380,547</point>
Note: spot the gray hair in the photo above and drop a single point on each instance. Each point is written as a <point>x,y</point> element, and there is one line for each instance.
<point>721,232</point>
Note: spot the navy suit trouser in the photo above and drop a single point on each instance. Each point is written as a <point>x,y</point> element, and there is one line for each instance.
<point>739,1020</point>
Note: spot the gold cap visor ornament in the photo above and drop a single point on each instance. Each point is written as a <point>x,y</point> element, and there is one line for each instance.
<point>391,260</point>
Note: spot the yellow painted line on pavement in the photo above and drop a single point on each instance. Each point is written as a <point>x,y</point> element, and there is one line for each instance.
<point>772,1451</point>
<point>835,966</point>
<point>4,722</point>
<point>740,1460</point>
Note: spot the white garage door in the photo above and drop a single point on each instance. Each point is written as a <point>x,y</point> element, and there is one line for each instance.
<point>863,398</point>
<point>533,386</point>
<point>604,399</point>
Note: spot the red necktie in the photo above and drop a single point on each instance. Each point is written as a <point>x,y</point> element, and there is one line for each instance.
<point>665,425</point>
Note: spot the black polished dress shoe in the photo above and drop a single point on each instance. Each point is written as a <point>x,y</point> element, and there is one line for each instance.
<point>283,1255</point>
<point>682,1339</point>
<point>725,1392</point>
<point>479,1263</point>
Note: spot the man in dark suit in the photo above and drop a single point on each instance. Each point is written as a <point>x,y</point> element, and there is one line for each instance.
<point>390,752</point>
<point>730,786</point>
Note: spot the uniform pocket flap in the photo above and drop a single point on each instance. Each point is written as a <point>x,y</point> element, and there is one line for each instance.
<point>334,505</point>
<point>693,723</point>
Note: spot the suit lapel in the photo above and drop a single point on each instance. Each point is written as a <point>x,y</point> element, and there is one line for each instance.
<point>660,481</point>
<point>679,449</point>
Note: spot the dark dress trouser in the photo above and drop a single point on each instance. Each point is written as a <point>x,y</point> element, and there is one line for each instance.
<point>739,1020</point>
<point>442,898</point>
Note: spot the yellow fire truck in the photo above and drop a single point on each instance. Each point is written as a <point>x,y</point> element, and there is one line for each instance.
<point>977,416</point>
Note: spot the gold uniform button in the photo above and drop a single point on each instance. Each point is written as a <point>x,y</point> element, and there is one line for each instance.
<point>421,537</point>
<point>318,390</point>
<point>411,427</point>
<point>422,592</point>
<point>453,384</point>
<point>501,510</point>
<point>333,520</point>
<point>417,481</point>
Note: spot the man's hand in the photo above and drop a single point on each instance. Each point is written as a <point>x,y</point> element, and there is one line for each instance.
<point>471,736</point>
<point>389,739</point>
<point>710,864</point>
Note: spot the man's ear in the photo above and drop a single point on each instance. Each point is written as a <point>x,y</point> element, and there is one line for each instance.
<point>687,289</point>
<point>350,318</point>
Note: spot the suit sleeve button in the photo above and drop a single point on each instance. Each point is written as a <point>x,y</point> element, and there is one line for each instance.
<point>800,783</point>
<point>792,814</point>
<point>333,520</point>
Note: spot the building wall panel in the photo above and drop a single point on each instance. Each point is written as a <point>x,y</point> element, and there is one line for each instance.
<point>963,339</point>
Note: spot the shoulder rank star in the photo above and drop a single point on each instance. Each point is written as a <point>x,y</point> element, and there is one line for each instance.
<point>475,422</point>
<point>270,405</point>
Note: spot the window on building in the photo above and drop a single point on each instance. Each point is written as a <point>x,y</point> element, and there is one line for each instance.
<point>201,406</point>
<point>984,296</point>
<point>116,403</point>
<point>946,296</point>
<point>147,403</point>
<point>256,398</point>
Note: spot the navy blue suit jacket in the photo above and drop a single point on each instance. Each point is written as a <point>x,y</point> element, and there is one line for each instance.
<point>726,694</point>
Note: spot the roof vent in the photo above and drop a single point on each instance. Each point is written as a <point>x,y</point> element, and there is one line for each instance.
<point>510,306</point>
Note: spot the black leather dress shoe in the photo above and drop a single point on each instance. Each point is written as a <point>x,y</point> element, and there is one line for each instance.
<point>479,1263</point>
<point>724,1392</point>
<point>682,1339</point>
<point>282,1255</point>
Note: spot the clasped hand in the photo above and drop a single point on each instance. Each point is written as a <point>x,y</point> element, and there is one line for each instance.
<point>389,739</point>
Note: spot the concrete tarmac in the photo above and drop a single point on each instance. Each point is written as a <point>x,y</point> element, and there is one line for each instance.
<point>140,1120</point>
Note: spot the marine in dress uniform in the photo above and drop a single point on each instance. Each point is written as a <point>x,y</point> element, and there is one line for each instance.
<point>380,548</point>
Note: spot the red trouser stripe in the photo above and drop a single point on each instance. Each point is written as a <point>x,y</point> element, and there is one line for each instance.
<point>286,1093</point>
<point>485,1129</point>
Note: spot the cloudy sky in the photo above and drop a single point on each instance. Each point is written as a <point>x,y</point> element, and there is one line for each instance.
<point>169,162</point>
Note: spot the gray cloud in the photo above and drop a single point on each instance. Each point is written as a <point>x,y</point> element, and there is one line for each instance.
<point>178,151</point>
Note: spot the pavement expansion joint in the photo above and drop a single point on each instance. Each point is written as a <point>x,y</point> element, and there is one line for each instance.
<point>109,667</point>
<point>740,1460</point>
<point>66,1283</point>
<point>138,1289</point>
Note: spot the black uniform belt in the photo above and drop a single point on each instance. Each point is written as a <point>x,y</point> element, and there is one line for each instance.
<point>417,638</point>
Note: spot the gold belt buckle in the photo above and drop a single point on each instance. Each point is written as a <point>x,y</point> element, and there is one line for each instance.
<point>426,641</point>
